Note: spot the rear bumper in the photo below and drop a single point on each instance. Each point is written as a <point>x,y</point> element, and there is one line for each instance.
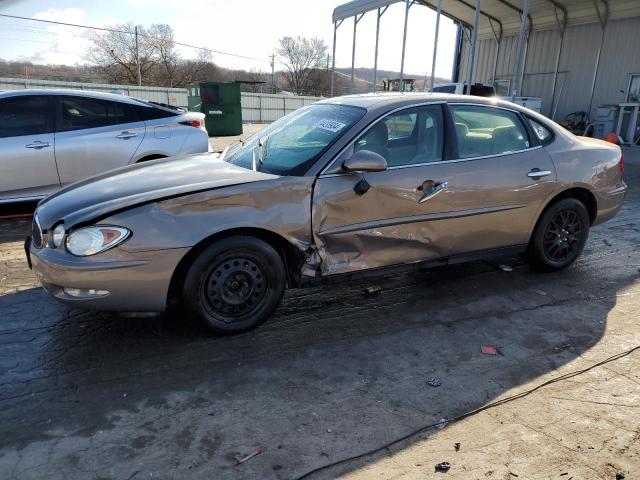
<point>609,203</point>
<point>139,284</point>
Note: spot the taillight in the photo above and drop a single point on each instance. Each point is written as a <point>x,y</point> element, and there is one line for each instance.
<point>621,164</point>
<point>192,123</point>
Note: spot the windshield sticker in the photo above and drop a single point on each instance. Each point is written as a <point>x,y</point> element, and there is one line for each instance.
<point>330,125</point>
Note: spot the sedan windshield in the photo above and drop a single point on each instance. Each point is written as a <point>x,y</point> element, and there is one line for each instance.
<point>291,144</point>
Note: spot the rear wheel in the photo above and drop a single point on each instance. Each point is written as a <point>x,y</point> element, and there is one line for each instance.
<point>560,235</point>
<point>235,284</point>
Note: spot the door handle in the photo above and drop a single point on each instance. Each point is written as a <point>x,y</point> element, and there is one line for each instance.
<point>537,174</point>
<point>124,135</point>
<point>435,190</point>
<point>38,145</point>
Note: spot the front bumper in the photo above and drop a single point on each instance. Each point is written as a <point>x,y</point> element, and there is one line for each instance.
<point>135,283</point>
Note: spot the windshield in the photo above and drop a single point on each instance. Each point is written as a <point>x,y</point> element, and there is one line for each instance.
<point>291,144</point>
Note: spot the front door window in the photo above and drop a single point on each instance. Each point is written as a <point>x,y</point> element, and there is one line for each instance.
<point>405,138</point>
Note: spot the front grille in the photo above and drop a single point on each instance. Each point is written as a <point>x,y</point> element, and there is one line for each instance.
<point>36,233</point>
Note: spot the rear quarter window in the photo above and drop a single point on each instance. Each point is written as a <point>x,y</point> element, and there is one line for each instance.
<point>540,131</point>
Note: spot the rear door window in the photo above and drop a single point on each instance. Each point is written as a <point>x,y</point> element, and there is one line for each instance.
<point>78,113</point>
<point>122,113</point>
<point>25,115</point>
<point>483,131</point>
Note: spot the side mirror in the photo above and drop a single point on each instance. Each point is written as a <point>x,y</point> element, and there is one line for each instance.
<point>365,161</point>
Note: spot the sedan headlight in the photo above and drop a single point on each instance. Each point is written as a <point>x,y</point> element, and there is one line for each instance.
<point>91,240</point>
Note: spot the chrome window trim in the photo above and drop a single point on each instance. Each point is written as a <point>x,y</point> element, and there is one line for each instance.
<point>455,160</point>
<point>439,162</point>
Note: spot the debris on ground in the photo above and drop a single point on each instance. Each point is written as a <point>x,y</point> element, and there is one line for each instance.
<point>505,268</point>
<point>513,474</point>
<point>443,467</point>
<point>240,461</point>
<point>619,476</point>
<point>489,350</point>
<point>442,423</point>
<point>541,292</point>
<point>607,243</point>
<point>433,381</point>
<point>372,290</point>
<point>457,446</point>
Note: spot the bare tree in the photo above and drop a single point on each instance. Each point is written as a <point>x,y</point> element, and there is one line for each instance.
<point>160,39</point>
<point>200,69</point>
<point>300,56</point>
<point>114,52</point>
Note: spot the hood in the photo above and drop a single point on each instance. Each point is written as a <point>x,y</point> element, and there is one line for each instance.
<point>141,183</point>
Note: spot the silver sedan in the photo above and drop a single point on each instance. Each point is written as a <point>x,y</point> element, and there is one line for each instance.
<point>50,138</point>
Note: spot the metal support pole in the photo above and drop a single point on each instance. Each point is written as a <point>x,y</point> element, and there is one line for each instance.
<point>472,52</point>
<point>273,66</point>
<point>495,60</point>
<point>138,58</point>
<point>557,68</point>
<point>457,58</point>
<point>435,45</point>
<point>375,59</point>
<point>497,55</point>
<point>561,29</point>
<point>404,42</point>
<point>604,18</point>
<point>524,63</point>
<point>333,57</point>
<point>518,62</point>
<point>356,19</point>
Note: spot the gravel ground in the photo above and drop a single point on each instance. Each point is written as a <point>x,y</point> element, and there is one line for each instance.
<point>335,373</point>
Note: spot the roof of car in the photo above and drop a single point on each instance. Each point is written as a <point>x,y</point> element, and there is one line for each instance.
<point>369,100</point>
<point>68,91</point>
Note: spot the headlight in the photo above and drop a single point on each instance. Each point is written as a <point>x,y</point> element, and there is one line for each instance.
<point>91,240</point>
<point>58,235</point>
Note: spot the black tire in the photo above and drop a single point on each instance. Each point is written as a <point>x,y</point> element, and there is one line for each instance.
<point>559,236</point>
<point>234,285</point>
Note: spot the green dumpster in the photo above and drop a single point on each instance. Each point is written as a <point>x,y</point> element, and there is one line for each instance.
<point>220,103</point>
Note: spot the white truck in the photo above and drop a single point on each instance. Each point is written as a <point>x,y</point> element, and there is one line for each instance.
<point>534,103</point>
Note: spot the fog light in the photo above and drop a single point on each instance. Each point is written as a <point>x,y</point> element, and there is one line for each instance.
<point>84,292</point>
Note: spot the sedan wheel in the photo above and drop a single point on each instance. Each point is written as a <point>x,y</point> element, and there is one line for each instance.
<point>235,284</point>
<point>560,235</point>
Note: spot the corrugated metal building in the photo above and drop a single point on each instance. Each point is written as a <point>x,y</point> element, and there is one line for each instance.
<point>574,54</point>
<point>618,62</point>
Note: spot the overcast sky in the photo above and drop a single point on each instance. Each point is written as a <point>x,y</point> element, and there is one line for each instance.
<point>247,27</point>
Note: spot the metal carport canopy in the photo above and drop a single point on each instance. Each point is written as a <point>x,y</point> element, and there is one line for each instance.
<point>543,14</point>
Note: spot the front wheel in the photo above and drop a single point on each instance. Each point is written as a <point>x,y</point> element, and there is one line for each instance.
<point>235,284</point>
<point>560,235</point>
